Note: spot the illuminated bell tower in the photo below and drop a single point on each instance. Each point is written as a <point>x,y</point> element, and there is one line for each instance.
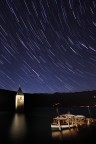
<point>19,101</point>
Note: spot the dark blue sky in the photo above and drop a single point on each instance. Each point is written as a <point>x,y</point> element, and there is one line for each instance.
<point>48,45</point>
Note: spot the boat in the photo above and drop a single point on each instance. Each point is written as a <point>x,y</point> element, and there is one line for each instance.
<point>66,121</point>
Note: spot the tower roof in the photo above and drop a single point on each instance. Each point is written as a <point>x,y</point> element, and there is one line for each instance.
<point>19,91</point>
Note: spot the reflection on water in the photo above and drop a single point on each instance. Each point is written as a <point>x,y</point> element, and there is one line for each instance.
<point>67,133</point>
<point>18,128</point>
<point>36,126</point>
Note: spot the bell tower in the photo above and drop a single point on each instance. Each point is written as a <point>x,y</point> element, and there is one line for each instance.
<point>19,101</point>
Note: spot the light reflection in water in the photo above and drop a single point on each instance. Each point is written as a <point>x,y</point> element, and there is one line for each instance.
<point>18,128</point>
<point>67,133</point>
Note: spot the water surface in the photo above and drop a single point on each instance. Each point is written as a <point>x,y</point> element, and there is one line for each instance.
<point>34,127</point>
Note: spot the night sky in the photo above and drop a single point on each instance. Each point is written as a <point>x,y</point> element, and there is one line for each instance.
<point>48,46</point>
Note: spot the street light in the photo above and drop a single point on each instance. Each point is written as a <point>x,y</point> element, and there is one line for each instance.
<point>56,106</point>
<point>89,111</point>
<point>94,96</point>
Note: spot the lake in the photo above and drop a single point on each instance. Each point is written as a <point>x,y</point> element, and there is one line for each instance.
<point>34,126</point>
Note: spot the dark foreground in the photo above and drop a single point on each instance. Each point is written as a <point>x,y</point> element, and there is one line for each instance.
<point>34,127</point>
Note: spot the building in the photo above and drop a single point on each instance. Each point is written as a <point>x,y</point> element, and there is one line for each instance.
<point>19,101</point>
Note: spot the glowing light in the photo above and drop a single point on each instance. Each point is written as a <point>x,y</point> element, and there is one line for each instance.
<point>64,133</point>
<point>18,127</point>
<point>19,102</point>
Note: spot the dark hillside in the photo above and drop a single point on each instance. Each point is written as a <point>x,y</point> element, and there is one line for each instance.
<point>7,99</point>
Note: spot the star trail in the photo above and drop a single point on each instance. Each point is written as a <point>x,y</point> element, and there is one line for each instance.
<point>48,46</point>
